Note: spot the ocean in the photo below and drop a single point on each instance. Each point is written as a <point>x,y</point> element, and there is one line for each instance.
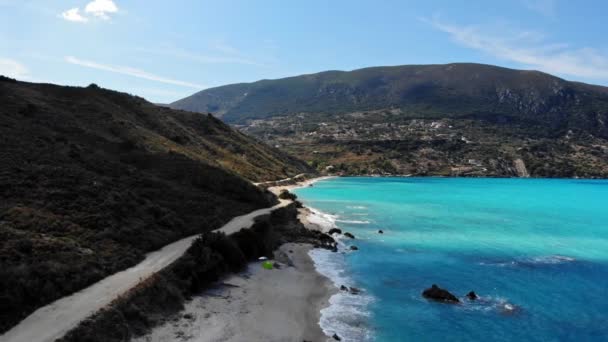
<point>534,250</point>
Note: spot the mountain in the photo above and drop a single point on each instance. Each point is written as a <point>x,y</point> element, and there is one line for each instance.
<point>454,119</point>
<point>92,179</point>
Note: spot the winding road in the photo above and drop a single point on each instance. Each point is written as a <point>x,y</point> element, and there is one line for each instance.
<point>54,320</point>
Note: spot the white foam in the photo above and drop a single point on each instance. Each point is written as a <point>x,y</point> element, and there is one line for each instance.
<point>353,221</point>
<point>347,314</point>
<point>323,220</point>
<point>356,207</point>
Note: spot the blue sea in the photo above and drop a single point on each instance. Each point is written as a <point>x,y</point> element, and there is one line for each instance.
<point>534,250</point>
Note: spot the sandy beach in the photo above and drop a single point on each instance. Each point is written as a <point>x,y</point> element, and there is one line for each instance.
<point>282,304</point>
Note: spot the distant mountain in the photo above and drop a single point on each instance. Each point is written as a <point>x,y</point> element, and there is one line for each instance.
<point>419,91</point>
<point>92,179</point>
<point>454,119</point>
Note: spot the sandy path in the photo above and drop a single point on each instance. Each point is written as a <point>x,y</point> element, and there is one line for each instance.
<point>56,319</point>
<point>258,305</point>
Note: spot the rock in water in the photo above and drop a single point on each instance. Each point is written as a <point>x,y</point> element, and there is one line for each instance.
<point>472,295</point>
<point>355,291</point>
<point>354,248</point>
<point>439,294</point>
<point>336,337</point>
<point>343,288</point>
<point>334,230</point>
<point>349,235</point>
<point>380,231</point>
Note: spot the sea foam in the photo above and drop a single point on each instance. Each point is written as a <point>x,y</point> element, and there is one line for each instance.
<point>347,314</point>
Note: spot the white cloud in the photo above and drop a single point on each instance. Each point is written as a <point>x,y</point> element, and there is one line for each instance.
<point>73,14</point>
<point>101,8</point>
<point>530,49</point>
<point>124,70</point>
<point>13,69</point>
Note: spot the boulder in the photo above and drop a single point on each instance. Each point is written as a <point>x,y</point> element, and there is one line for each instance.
<point>354,290</point>
<point>380,231</point>
<point>439,294</point>
<point>349,235</point>
<point>343,288</point>
<point>336,337</point>
<point>354,248</point>
<point>472,295</point>
<point>334,231</point>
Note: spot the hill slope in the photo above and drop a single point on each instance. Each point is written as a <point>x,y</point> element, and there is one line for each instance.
<point>91,179</point>
<point>455,119</point>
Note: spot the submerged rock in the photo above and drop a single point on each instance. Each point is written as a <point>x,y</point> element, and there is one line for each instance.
<point>380,231</point>
<point>349,235</point>
<point>354,290</point>
<point>343,288</point>
<point>439,294</point>
<point>472,295</point>
<point>334,230</point>
<point>354,248</point>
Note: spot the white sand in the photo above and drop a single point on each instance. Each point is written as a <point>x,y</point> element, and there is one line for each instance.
<point>259,305</point>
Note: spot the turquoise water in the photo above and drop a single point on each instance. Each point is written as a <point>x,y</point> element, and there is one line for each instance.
<point>536,251</point>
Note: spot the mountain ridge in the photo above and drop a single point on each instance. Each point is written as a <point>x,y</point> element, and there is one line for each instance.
<point>443,119</point>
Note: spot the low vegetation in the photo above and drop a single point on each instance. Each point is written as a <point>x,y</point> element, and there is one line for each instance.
<point>210,257</point>
<point>92,179</point>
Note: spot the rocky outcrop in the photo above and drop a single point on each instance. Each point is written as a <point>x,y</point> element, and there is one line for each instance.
<point>349,235</point>
<point>334,231</point>
<point>472,295</point>
<point>438,294</point>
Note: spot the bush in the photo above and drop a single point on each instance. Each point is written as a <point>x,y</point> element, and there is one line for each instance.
<point>286,195</point>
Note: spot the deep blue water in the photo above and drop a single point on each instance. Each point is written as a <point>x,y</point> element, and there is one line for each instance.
<point>536,246</point>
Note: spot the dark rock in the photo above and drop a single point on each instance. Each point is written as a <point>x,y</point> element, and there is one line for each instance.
<point>188,316</point>
<point>472,295</point>
<point>380,231</point>
<point>349,235</point>
<point>334,230</point>
<point>336,337</point>
<point>354,290</point>
<point>439,294</point>
<point>343,288</point>
<point>354,248</point>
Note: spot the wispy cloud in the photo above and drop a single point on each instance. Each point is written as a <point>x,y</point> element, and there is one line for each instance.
<point>73,14</point>
<point>204,58</point>
<point>547,8</point>
<point>129,71</point>
<point>100,9</point>
<point>14,69</point>
<point>528,48</point>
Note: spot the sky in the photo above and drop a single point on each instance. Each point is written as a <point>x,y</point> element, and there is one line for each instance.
<point>167,50</point>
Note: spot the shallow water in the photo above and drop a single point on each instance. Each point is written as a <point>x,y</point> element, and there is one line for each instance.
<point>536,251</point>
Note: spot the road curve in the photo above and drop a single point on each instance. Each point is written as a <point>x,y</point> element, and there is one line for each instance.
<point>54,320</point>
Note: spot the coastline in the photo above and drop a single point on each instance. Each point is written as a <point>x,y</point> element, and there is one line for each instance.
<point>282,304</point>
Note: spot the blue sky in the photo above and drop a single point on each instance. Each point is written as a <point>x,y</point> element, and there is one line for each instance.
<point>166,50</point>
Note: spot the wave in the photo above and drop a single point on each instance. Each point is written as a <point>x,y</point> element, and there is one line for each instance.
<point>490,304</point>
<point>531,261</point>
<point>356,207</point>
<point>347,314</point>
<point>323,220</point>
<point>353,221</point>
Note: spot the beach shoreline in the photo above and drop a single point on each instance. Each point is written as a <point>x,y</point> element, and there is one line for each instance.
<point>282,304</point>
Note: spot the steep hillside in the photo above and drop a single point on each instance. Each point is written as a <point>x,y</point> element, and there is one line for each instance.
<point>91,179</point>
<point>455,119</point>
